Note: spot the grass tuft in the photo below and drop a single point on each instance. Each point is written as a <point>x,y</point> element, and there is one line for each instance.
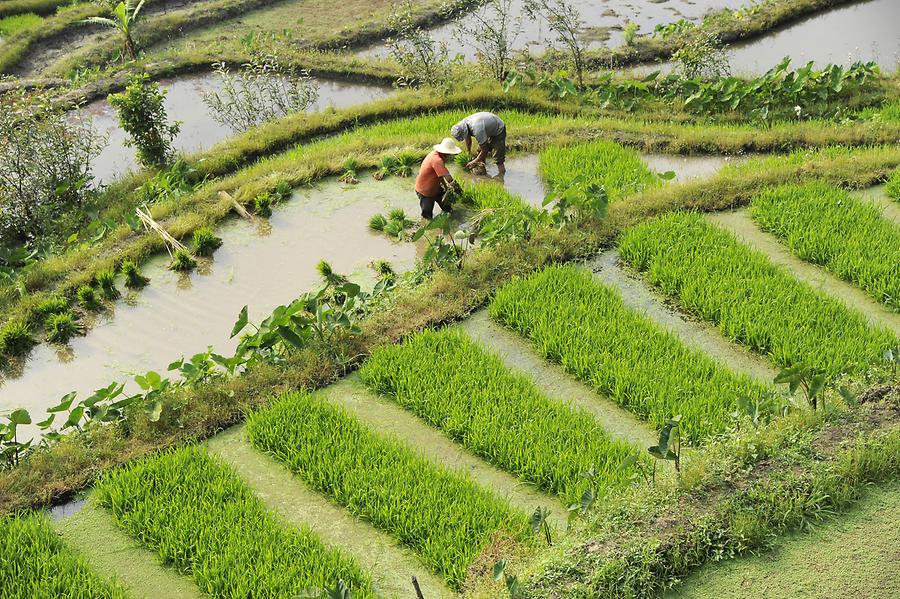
<point>892,189</point>
<point>61,327</point>
<point>15,338</point>
<point>205,242</point>
<point>182,261</point>
<point>106,282</point>
<point>133,277</point>
<point>87,298</point>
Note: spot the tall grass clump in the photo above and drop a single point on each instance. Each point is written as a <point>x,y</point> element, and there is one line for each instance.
<point>36,563</point>
<point>825,225</point>
<point>618,169</point>
<point>442,515</point>
<point>892,188</point>
<point>88,299</point>
<point>582,324</point>
<point>455,385</point>
<point>198,515</point>
<point>751,300</point>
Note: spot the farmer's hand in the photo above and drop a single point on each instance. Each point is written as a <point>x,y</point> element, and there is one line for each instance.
<point>471,164</point>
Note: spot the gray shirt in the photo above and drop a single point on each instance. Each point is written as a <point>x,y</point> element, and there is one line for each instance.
<point>484,126</point>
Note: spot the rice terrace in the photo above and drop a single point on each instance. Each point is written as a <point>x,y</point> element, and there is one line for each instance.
<point>450,298</point>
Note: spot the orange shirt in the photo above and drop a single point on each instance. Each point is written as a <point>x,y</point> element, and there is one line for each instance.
<point>428,183</point>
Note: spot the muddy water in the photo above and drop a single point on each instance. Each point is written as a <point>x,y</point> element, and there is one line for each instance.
<point>181,314</point>
<point>391,565</point>
<point>864,31</point>
<point>688,167</point>
<point>604,21</point>
<point>741,225</point>
<point>184,103</point>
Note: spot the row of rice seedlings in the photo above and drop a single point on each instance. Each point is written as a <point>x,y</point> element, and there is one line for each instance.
<point>491,196</point>
<point>892,188</point>
<point>618,169</point>
<point>454,384</point>
<point>443,516</point>
<point>36,563</point>
<point>199,516</point>
<point>751,300</point>
<point>583,325</point>
<point>827,226</point>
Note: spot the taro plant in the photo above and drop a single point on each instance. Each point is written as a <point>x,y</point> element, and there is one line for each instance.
<point>142,114</point>
<point>445,246</point>
<point>182,261</point>
<point>61,327</point>
<point>668,448</point>
<point>811,380</point>
<point>106,283</point>
<point>124,16</point>
<point>540,524</point>
<point>11,449</point>
<point>88,299</point>
<point>513,586</point>
<point>204,242</point>
<point>133,277</point>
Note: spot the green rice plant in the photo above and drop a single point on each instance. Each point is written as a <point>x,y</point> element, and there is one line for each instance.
<point>892,188</point>
<point>378,222</point>
<point>619,170</point>
<point>460,388</point>
<point>198,515</point>
<point>442,515</point>
<point>15,338</point>
<point>262,205</point>
<point>16,23</point>
<point>825,225</point>
<point>351,169</point>
<point>36,563</point>
<point>386,166</point>
<point>751,300</point>
<point>407,164</point>
<point>133,277</point>
<point>106,282</point>
<point>87,298</point>
<point>576,321</point>
<point>204,242</point>
<point>394,224</point>
<point>52,305</point>
<point>182,261</point>
<point>61,327</point>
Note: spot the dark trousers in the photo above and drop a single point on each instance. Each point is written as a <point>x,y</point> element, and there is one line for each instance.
<point>427,205</point>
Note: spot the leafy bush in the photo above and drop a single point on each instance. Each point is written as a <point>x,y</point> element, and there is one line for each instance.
<point>61,327</point>
<point>198,515</point>
<point>38,564</point>
<point>15,338</point>
<point>455,385</point>
<point>751,300</point>
<point>87,297</point>
<point>444,516</point>
<point>620,352</point>
<point>133,277</point>
<point>182,261</point>
<point>826,225</point>
<point>702,57</point>
<point>106,282</point>
<point>45,158</point>
<point>422,61</point>
<point>205,242</point>
<point>142,114</point>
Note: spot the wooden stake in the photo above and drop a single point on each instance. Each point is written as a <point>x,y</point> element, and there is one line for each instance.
<point>419,594</point>
<point>237,206</point>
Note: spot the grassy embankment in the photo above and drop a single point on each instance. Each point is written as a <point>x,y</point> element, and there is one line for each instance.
<point>10,8</point>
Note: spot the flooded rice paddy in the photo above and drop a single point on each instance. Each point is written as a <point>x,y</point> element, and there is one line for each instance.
<point>199,130</point>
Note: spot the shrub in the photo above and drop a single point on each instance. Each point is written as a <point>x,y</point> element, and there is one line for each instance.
<point>702,56</point>
<point>87,297</point>
<point>133,277</point>
<point>422,60</point>
<point>182,261</point>
<point>61,327</point>
<point>142,114</point>
<point>205,242</point>
<point>15,338</point>
<point>106,282</point>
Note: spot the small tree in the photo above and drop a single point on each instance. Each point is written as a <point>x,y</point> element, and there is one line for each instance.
<point>565,21</point>
<point>45,164</point>
<point>142,114</point>
<point>422,60</point>
<point>264,90</point>
<point>491,31</point>
<point>124,15</point>
<point>702,56</point>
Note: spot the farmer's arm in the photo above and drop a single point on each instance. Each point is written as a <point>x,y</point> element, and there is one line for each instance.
<point>469,144</point>
<point>479,159</point>
<point>450,182</point>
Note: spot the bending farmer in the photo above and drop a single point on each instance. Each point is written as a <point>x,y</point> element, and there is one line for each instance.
<point>489,131</point>
<point>434,180</point>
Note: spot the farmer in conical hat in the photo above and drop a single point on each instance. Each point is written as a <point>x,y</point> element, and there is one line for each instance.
<point>434,180</point>
<point>489,131</point>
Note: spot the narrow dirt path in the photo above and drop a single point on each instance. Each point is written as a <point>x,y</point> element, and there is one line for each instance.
<point>391,565</point>
<point>694,333</point>
<point>519,357</point>
<point>890,208</point>
<point>109,550</point>
<point>388,418</point>
<point>741,225</point>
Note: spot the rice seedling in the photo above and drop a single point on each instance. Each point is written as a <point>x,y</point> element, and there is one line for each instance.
<point>751,300</point>
<point>441,515</point>
<point>394,224</point>
<point>61,327</point>
<point>825,225</point>
<point>133,277</point>
<point>892,188</point>
<point>580,323</point>
<point>15,338</point>
<point>198,515</point>
<point>182,261</point>
<point>106,282</point>
<point>386,166</point>
<point>52,305</point>
<point>328,274</point>
<point>407,163</point>
<point>378,222</point>
<point>204,242</point>
<point>455,385</point>
<point>384,270</point>
<point>619,170</point>
<point>87,298</point>
<point>351,168</point>
<point>15,23</point>
<point>262,205</point>
<point>36,563</point>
